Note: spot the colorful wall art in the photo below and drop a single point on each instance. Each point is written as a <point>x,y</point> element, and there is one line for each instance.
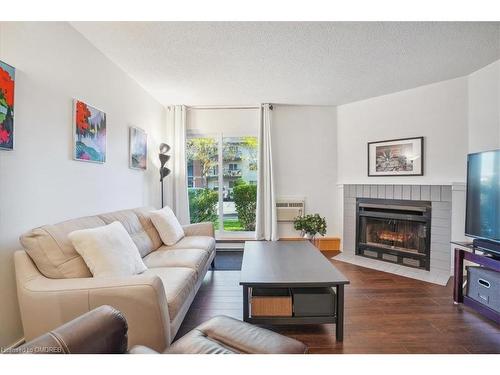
<point>7,81</point>
<point>89,133</point>
<point>138,148</point>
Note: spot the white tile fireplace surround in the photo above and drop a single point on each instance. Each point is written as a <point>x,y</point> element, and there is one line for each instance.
<point>440,197</point>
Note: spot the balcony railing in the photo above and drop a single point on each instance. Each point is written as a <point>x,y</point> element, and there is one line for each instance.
<point>233,157</point>
<point>232,173</point>
<point>226,173</point>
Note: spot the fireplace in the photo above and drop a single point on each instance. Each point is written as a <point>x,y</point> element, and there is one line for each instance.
<point>396,231</point>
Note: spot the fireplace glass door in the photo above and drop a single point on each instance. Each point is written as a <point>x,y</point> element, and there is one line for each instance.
<point>405,236</point>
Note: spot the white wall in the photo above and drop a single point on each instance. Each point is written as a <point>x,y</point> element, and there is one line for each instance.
<point>484,108</point>
<point>437,111</point>
<point>230,122</point>
<point>40,183</point>
<point>304,153</point>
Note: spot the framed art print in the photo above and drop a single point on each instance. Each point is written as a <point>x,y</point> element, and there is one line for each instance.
<point>7,83</point>
<point>396,157</point>
<point>89,133</point>
<point>138,149</point>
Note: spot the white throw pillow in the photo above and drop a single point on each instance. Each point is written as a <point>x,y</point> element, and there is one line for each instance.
<point>167,225</point>
<point>108,250</point>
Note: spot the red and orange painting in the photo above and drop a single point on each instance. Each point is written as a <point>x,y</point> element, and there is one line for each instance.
<point>90,133</point>
<point>7,80</point>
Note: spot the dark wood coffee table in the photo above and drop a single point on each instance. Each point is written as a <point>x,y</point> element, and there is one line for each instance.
<point>291,264</point>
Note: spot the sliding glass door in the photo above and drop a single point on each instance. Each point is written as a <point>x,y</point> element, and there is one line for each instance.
<point>239,183</point>
<point>222,181</point>
<point>202,155</point>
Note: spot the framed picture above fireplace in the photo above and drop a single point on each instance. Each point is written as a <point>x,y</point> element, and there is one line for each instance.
<point>396,157</point>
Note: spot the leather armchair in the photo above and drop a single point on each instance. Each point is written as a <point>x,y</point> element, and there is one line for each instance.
<point>100,331</point>
<point>104,331</point>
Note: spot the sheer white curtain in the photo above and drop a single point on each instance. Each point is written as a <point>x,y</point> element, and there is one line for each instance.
<point>266,226</point>
<point>180,193</point>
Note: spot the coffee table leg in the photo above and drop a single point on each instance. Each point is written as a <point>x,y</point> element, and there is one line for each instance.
<point>245,303</point>
<point>339,327</point>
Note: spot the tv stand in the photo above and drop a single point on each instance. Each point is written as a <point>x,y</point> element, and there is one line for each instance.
<point>487,246</point>
<point>485,260</point>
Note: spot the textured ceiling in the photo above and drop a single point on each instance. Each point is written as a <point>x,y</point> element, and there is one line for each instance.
<point>210,63</point>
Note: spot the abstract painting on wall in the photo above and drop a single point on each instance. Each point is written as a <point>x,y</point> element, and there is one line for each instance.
<point>138,149</point>
<point>7,81</point>
<point>89,133</point>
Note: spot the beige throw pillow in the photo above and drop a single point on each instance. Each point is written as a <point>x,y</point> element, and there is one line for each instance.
<point>108,250</point>
<point>167,225</point>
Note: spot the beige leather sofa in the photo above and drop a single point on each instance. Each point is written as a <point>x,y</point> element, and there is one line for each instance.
<point>55,286</point>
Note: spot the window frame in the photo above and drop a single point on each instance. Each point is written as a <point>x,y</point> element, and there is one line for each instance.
<point>219,137</point>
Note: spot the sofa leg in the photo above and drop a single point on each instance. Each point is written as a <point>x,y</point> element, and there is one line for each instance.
<point>213,264</point>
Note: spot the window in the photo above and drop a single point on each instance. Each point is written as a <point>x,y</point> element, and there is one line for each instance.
<point>238,190</point>
<point>222,166</point>
<point>202,157</point>
<point>239,196</point>
<point>190,174</point>
<point>213,171</point>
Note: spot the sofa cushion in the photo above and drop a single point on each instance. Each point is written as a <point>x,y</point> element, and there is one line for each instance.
<point>108,250</point>
<point>191,258</point>
<point>53,253</point>
<point>194,242</point>
<point>178,283</point>
<point>144,215</point>
<point>167,225</point>
<point>139,227</point>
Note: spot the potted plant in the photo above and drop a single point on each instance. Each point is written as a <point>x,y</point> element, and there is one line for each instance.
<point>310,225</point>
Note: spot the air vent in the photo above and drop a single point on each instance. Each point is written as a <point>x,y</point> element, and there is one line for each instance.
<point>287,209</point>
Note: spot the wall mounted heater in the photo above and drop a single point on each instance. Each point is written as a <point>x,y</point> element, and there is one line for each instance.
<point>287,209</point>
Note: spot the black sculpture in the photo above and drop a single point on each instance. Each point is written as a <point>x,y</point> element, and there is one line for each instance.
<point>164,171</point>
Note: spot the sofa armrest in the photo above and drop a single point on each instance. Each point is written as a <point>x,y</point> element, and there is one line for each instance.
<point>100,331</point>
<point>48,303</point>
<point>199,229</point>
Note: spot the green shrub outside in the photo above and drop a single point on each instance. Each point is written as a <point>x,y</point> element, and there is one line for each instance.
<point>202,205</point>
<point>245,200</point>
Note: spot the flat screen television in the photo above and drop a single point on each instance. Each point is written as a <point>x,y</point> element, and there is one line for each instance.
<point>482,217</point>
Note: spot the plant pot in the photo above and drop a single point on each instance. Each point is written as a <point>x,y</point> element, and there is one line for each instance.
<point>308,236</point>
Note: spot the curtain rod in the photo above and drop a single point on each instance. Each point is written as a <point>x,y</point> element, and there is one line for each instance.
<point>223,107</point>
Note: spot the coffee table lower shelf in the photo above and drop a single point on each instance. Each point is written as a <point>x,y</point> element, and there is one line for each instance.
<point>337,319</point>
<point>277,320</point>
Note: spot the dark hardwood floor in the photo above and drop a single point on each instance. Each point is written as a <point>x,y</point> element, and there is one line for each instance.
<point>384,313</point>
